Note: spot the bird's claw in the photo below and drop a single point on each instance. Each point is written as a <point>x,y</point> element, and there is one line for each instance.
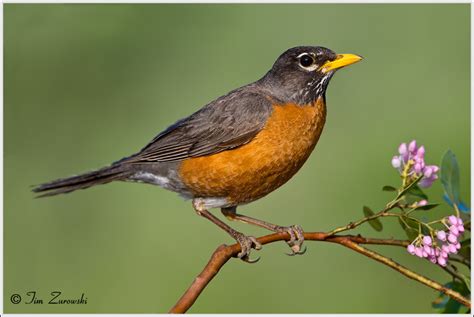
<point>248,260</point>
<point>296,239</point>
<point>296,251</point>
<point>247,243</point>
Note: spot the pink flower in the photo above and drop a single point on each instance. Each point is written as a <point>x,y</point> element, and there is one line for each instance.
<point>454,230</point>
<point>427,241</point>
<point>441,235</point>
<point>452,248</point>
<point>429,176</point>
<point>416,156</point>
<point>396,162</point>
<point>442,261</point>
<point>446,242</point>
<point>412,146</point>
<point>453,220</point>
<point>428,249</point>
<point>423,202</point>
<point>452,238</point>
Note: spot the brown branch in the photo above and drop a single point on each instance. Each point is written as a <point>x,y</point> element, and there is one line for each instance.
<point>224,253</point>
<point>408,273</point>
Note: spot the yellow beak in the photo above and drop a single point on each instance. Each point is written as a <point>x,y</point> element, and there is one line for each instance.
<point>341,61</point>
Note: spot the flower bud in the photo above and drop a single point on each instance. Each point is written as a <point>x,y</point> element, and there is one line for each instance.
<point>419,252</point>
<point>452,248</point>
<point>442,261</point>
<point>452,238</point>
<point>426,182</point>
<point>445,248</point>
<point>427,172</point>
<point>402,149</point>
<point>454,230</point>
<point>441,235</point>
<point>412,146</point>
<point>421,152</point>
<point>427,240</point>
<point>417,168</point>
<point>427,249</point>
<point>460,228</point>
<point>453,220</point>
<point>396,162</point>
<point>458,246</point>
<point>423,202</point>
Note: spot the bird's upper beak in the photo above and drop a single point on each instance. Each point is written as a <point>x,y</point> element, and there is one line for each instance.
<point>340,61</point>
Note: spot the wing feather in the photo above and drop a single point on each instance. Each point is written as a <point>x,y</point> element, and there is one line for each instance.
<point>226,123</point>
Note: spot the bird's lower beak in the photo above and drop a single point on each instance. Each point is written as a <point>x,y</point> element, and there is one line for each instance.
<point>341,61</point>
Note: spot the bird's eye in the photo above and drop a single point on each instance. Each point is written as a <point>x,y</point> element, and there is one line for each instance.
<point>306,60</point>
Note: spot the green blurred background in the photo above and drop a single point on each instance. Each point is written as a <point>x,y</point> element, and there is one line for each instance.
<point>88,84</point>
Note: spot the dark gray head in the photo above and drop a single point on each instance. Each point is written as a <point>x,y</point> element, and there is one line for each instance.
<point>301,74</point>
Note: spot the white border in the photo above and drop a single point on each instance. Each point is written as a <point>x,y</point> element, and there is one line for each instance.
<point>245,1</point>
<point>212,1</point>
<point>1,157</point>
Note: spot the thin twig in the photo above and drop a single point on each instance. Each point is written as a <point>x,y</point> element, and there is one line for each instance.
<point>408,273</point>
<point>224,253</point>
<point>355,224</point>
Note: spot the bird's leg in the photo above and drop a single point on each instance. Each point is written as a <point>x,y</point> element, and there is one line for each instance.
<point>246,242</point>
<point>295,231</point>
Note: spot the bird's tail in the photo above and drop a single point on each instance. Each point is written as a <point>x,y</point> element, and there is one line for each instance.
<point>86,180</point>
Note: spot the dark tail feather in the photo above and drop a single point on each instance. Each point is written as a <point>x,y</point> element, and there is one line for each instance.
<point>67,185</point>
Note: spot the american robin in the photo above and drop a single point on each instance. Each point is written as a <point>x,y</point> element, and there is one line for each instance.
<point>237,148</point>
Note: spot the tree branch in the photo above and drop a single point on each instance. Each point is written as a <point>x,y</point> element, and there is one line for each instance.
<point>223,253</point>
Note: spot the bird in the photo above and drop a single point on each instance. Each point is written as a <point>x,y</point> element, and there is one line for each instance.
<point>237,148</point>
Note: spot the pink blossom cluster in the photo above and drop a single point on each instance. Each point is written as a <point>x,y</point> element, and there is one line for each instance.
<point>438,252</point>
<point>415,156</point>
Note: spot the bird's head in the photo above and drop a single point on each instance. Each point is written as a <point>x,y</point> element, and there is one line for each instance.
<point>301,74</point>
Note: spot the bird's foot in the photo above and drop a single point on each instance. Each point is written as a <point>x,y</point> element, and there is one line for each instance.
<point>296,239</point>
<point>247,243</point>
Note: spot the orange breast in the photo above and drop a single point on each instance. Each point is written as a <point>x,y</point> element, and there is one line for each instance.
<point>255,169</point>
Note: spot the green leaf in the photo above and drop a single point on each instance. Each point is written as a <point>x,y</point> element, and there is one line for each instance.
<point>367,211</point>
<point>388,188</point>
<point>417,192</point>
<point>450,176</point>
<point>410,227</point>
<point>465,250</point>
<point>467,282</point>
<point>374,223</point>
<point>427,207</point>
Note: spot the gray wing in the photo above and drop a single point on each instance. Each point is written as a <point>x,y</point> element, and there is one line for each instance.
<point>226,123</point>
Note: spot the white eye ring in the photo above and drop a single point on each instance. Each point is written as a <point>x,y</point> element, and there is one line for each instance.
<point>311,67</point>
